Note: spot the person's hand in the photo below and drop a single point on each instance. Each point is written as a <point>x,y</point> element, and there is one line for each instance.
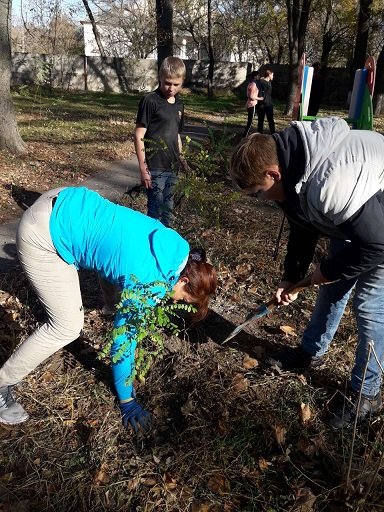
<point>146,179</point>
<point>282,297</point>
<point>133,414</point>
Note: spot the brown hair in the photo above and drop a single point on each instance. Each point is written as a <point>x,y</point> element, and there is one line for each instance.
<point>172,66</point>
<point>202,281</point>
<point>267,73</point>
<point>251,159</point>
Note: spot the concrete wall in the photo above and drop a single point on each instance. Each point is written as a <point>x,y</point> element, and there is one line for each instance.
<point>123,75</point>
<point>115,74</point>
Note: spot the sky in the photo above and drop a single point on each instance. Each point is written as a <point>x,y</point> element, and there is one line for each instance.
<point>76,5</point>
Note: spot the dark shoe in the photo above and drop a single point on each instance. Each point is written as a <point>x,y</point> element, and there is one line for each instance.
<point>342,409</point>
<point>108,310</point>
<point>294,358</point>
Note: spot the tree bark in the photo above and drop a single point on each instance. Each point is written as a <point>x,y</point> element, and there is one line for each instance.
<point>210,51</point>
<point>94,28</point>
<point>10,138</point>
<point>297,17</point>
<point>164,23</point>
<point>361,43</point>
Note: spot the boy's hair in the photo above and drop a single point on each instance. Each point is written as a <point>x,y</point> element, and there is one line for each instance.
<point>172,66</point>
<point>254,74</point>
<point>251,159</point>
<point>267,73</point>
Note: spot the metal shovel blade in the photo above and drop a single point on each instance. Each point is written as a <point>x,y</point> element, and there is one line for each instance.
<point>260,312</point>
<point>266,308</point>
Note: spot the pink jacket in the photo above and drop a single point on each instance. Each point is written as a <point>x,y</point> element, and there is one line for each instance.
<point>252,95</point>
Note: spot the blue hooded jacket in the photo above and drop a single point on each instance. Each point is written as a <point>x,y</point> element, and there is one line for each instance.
<point>93,233</point>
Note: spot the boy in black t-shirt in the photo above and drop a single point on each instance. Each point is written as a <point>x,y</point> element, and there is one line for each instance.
<point>159,122</point>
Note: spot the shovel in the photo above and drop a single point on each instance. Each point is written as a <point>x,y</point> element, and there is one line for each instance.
<point>266,308</point>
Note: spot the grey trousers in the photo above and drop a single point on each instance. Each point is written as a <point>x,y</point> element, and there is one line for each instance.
<point>57,286</point>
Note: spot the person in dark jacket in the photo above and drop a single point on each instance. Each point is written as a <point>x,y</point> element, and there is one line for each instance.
<point>265,107</point>
<point>329,181</point>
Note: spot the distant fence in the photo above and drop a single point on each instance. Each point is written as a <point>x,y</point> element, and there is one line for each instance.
<point>124,75</point>
<point>116,74</point>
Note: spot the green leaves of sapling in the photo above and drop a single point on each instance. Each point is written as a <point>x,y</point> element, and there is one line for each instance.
<point>142,315</point>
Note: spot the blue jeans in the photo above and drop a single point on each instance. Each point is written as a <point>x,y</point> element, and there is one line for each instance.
<point>160,196</point>
<point>368,305</point>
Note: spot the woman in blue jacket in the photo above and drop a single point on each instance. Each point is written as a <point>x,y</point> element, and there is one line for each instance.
<point>75,228</point>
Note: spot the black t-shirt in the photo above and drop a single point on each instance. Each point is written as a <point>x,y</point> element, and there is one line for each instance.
<point>266,87</point>
<point>163,121</point>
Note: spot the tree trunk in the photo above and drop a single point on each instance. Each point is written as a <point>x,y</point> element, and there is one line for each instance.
<point>9,134</point>
<point>378,99</point>
<point>94,28</point>
<point>328,41</point>
<point>297,17</point>
<point>164,23</point>
<point>210,51</point>
<point>360,52</point>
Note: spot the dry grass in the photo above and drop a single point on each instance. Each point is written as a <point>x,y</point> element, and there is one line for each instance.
<point>226,437</point>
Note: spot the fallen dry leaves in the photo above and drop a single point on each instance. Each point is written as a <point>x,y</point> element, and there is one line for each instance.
<point>240,384</point>
<point>305,413</point>
<point>280,432</point>
<point>305,500</point>
<point>219,484</point>
<point>264,464</point>
<point>102,475</point>
<point>205,506</point>
<point>250,362</point>
<point>287,329</point>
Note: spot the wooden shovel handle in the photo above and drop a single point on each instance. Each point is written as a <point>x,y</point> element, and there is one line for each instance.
<point>295,288</point>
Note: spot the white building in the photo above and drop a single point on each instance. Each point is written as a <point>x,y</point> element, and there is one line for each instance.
<point>116,44</point>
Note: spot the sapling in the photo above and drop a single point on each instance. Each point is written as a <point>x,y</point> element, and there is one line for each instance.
<point>144,311</point>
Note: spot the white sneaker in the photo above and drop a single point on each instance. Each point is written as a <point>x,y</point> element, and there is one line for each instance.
<point>11,412</point>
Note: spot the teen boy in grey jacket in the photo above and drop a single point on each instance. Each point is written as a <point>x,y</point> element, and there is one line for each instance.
<point>329,180</point>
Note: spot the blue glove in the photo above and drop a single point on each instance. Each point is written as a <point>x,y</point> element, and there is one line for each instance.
<point>135,415</point>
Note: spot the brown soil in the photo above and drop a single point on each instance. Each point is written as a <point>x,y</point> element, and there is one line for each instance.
<point>229,432</point>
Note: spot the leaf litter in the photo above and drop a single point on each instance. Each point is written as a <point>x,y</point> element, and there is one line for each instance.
<point>230,433</point>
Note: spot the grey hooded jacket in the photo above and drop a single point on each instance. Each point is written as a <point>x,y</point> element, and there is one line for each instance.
<point>340,194</point>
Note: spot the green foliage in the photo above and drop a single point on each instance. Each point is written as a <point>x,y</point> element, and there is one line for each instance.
<point>203,165</point>
<point>43,72</point>
<point>202,183</point>
<point>145,311</point>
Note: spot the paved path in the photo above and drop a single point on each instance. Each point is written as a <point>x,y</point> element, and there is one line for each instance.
<point>112,181</point>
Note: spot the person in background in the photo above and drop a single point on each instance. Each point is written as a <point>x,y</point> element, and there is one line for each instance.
<point>159,121</point>
<point>75,228</point>
<point>265,107</point>
<point>254,94</point>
